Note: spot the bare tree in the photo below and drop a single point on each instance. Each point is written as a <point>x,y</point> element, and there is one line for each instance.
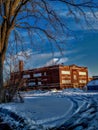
<point>26,15</point>
<point>12,84</point>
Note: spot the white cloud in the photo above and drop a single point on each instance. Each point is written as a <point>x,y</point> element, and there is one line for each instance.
<point>12,61</point>
<point>78,57</point>
<point>23,55</point>
<point>52,62</point>
<point>56,61</point>
<point>35,59</point>
<point>62,60</point>
<point>92,15</point>
<point>39,60</point>
<point>87,20</point>
<point>66,13</point>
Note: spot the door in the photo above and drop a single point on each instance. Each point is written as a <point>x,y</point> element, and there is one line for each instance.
<point>75,78</point>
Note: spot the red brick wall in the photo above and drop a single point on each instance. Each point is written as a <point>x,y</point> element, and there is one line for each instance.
<point>57,76</point>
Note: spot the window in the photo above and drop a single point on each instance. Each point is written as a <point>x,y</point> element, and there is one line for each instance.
<point>31,83</point>
<point>65,72</point>
<point>26,76</point>
<point>82,73</point>
<point>66,81</point>
<point>44,80</point>
<point>82,81</point>
<point>39,83</point>
<point>45,73</point>
<point>24,84</point>
<point>75,77</point>
<point>37,75</point>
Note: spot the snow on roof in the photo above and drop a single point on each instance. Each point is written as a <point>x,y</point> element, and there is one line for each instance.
<point>93,83</point>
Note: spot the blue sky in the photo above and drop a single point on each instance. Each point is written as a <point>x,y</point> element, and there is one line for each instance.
<point>87,51</point>
<point>82,52</point>
<point>80,44</point>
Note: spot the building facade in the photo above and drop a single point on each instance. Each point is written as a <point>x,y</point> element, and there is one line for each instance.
<point>56,76</point>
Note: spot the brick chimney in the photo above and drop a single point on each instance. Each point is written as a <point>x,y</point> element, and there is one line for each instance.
<point>21,64</point>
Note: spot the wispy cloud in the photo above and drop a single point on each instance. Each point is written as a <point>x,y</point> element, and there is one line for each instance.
<point>51,62</point>
<point>45,59</point>
<point>80,21</point>
<point>77,57</point>
<point>56,61</point>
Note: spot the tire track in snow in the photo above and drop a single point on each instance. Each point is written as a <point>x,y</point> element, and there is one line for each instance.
<point>82,117</point>
<point>16,122</point>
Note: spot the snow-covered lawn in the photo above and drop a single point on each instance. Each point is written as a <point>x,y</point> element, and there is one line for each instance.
<point>71,108</point>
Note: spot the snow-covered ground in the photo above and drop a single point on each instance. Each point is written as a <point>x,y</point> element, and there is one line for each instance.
<point>70,109</point>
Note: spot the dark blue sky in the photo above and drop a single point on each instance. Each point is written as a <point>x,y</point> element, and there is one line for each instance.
<point>87,51</point>
<point>80,44</point>
<point>82,51</point>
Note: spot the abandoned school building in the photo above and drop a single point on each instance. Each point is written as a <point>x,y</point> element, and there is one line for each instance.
<point>56,76</point>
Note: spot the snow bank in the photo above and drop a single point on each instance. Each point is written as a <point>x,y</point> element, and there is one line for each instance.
<point>93,82</point>
<point>52,109</point>
<point>43,108</point>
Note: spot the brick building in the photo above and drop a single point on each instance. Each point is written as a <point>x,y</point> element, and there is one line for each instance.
<point>56,76</point>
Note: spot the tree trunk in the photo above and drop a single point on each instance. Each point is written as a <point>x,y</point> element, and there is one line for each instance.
<point>2,91</point>
<point>1,72</point>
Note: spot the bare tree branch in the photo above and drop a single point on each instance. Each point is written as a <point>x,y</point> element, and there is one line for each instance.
<point>37,17</point>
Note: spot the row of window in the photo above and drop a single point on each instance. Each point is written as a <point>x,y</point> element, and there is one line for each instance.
<point>68,72</point>
<point>34,75</point>
<point>63,82</point>
<point>66,81</point>
<point>65,72</point>
<point>34,83</point>
<point>40,74</point>
<point>82,81</point>
<point>69,81</point>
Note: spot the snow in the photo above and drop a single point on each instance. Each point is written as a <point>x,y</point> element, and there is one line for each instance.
<point>92,85</point>
<point>93,82</point>
<point>42,108</point>
<point>70,108</point>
